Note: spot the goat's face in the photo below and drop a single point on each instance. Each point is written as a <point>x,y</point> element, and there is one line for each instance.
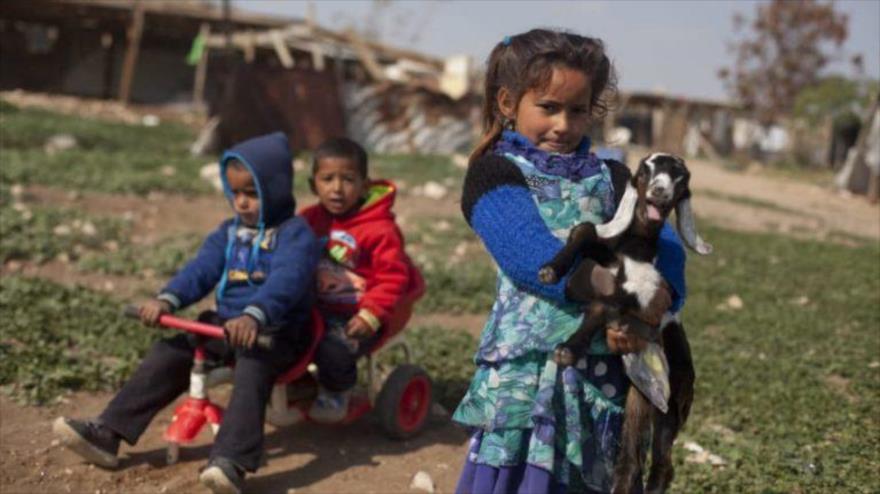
<point>661,182</point>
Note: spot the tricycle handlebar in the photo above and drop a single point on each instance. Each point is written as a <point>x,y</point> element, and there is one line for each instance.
<point>195,327</point>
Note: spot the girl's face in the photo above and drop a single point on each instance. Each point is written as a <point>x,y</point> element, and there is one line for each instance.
<point>556,117</point>
<point>339,185</point>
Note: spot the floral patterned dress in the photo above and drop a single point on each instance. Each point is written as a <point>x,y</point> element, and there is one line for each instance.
<point>522,407</point>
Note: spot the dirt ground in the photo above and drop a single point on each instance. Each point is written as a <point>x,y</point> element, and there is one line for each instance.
<point>355,458</point>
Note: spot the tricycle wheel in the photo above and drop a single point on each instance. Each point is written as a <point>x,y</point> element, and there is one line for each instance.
<point>404,402</point>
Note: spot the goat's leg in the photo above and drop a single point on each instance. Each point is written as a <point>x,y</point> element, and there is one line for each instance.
<point>578,343</point>
<point>668,425</point>
<point>580,236</point>
<point>631,457</point>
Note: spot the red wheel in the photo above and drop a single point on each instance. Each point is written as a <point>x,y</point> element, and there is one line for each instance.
<point>404,402</point>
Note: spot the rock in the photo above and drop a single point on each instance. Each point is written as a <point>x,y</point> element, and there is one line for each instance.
<point>16,190</point>
<point>88,229</point>
<point>60,142</point>
<point>803,300</point>
<point>211,174</point>
<point>460,161</point>
<point>150,121</point>
<point>422,481</point>
<point>300,165</point>
<point>61,230</point>
<point>168,171</point>
<point>874,365</point>
<point>734,302</point>
<point>433,190</point>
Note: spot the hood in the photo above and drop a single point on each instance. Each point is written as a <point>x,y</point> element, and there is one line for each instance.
<point>378,204</point>
<point>269,161</point>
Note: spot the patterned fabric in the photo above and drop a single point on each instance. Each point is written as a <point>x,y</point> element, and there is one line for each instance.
<point>572,166</point>
<point>523,408</point>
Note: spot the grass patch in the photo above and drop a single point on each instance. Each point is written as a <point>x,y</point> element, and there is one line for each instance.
<point>108,157</point>
<point>766,372</point>
<point>39,234</point>
<point>164,259</point>
<point>55,339</point>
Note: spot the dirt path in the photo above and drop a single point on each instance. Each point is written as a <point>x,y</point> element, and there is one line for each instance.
<point>301,459</point>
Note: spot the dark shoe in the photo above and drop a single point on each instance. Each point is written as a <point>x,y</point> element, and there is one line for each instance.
<point>89,439</point>
<point>222,476</point>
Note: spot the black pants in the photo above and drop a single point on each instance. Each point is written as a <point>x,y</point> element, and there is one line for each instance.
<point>337,359</point>
<point>164,374</point>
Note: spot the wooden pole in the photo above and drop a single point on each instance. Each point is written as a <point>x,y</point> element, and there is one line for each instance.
<point>201,68</point>
<point>135,30</point>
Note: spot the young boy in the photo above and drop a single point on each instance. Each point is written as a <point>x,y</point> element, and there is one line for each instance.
<point>364,272</point>
<point>261,264</point>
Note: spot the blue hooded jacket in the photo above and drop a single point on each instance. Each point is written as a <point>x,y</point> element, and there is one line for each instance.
<point>266,271</point>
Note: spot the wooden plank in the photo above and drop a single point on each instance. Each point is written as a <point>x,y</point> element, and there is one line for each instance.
<point>281,50</point>
<point>201,68</point>
<point>135,31</point>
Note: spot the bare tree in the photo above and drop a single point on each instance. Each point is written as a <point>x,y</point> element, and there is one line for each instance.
<point>785,49</point>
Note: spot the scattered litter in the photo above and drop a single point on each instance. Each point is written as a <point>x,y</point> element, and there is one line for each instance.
<point>803,300</point>
<point>168,171</point>
<point>443,226</point>
<point>111,245</point>
<point>874,365</point>
<point>61,230</point>
<point>461,249</point>
<point>88,229</point>
<point>16,190</point>
<point>733,302</point>
<point>300,164</point>
<point>702,456</point>
<point>422,481</point>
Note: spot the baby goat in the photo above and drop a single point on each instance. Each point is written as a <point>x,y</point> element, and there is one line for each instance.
<point>627,246</point>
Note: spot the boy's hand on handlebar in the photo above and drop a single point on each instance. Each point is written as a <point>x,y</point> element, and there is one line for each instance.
<point>662,301</point>
<point>151,310</point>
<point>241,331</point>
<point>357,327</point>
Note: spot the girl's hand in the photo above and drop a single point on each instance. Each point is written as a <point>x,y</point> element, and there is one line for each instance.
<point>241,331</point>
<point>662,301</point>
<point>620,341</point>
<point>358,328</point>
<point>151,310</point>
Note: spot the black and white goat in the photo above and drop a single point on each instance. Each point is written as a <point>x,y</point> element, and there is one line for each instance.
<point>627,246</point>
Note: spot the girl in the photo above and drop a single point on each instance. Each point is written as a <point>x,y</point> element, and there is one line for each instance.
<point>532,177</point>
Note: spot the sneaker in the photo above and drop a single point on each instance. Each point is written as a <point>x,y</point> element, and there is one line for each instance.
<point>222,476</point>
<point>330,407</point>
<point>89,439</point>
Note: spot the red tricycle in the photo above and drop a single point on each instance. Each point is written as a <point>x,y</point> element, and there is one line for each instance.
<point>402,400</point>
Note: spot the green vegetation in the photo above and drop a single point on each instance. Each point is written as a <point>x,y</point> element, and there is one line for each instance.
<point>108,157</point>
<point>40,234</point>
<point>130,260</point>
<point>55,339</point>
<point>793,378</point>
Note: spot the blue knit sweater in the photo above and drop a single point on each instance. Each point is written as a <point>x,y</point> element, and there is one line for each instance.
<point>497,203</point>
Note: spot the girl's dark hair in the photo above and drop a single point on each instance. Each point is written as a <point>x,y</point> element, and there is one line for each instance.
<point>526,61</point>
<point>341,147</point>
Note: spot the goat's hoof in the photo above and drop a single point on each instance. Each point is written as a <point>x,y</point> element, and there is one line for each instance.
<point>563,356</point>
<point>547,275</point>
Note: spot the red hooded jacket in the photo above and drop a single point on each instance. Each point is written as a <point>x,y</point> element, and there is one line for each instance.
<point>364,265</point>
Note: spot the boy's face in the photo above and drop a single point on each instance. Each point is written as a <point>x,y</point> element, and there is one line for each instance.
<point>245,200</point>
<point>339,185</point>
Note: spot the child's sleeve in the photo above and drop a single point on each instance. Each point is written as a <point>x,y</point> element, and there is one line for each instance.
<point>497,204</point>
<point>387,286</point>
<point>201,274</point>
<point>291,274</point>
<point>671,263</point>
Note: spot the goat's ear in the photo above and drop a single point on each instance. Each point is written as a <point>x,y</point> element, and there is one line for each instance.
<point>687,229</point>
<point>623,217</point>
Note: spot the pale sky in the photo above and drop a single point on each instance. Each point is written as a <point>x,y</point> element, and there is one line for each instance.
<point>672,46</point>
